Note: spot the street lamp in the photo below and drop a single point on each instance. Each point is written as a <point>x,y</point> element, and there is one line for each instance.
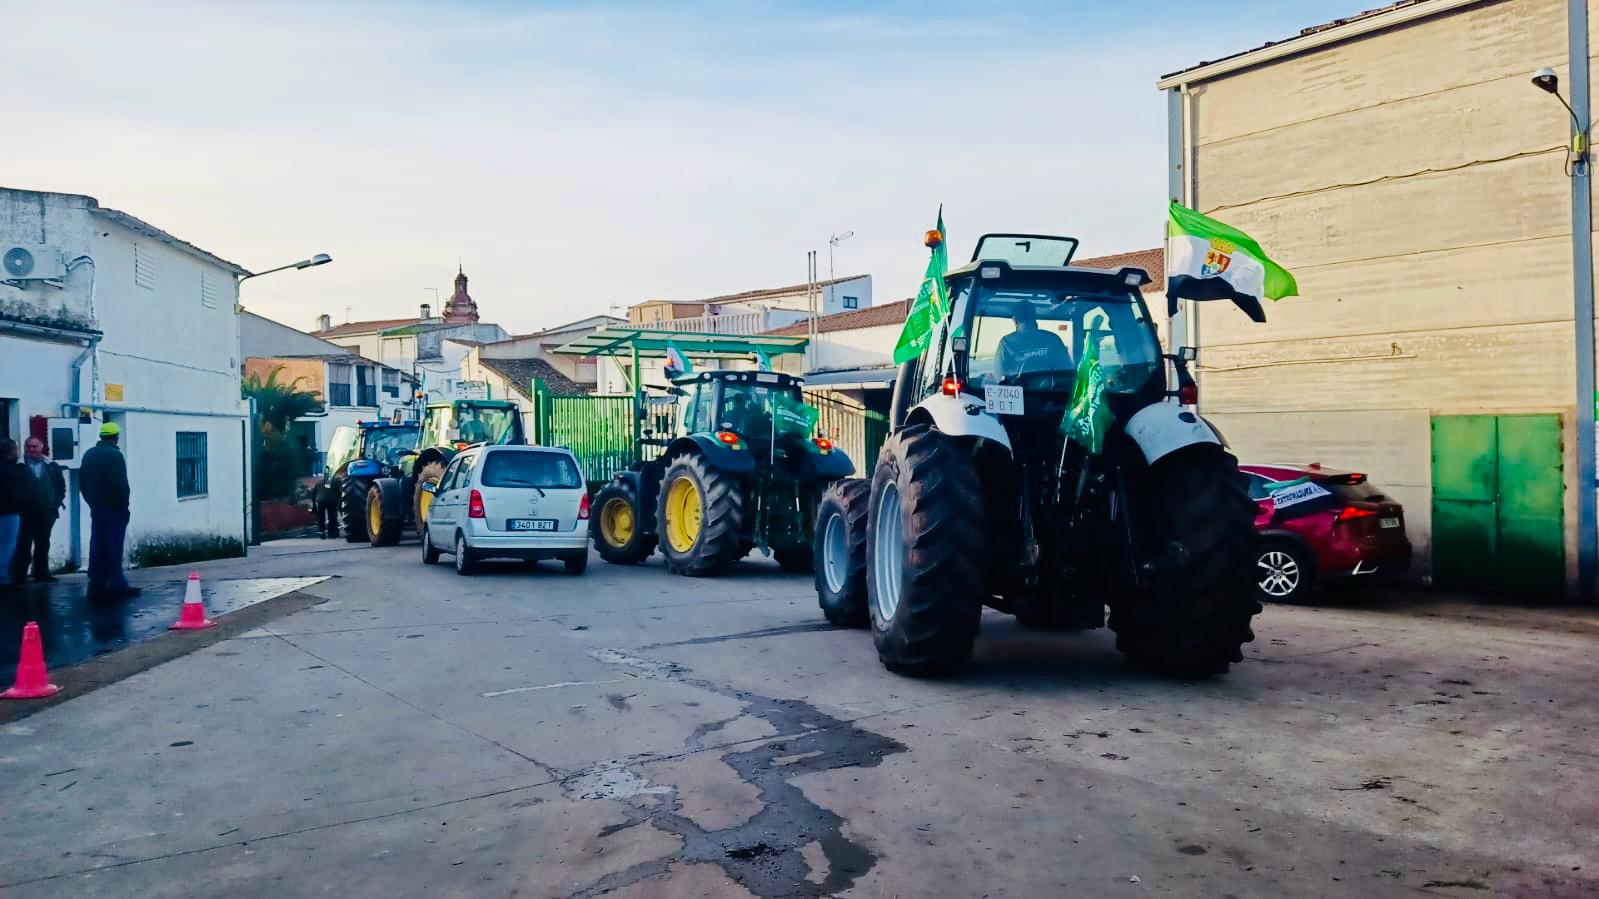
<point>318,259</point>
<point>832,244</point>
<point>1545,79</point>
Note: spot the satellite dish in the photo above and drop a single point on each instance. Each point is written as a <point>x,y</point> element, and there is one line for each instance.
<point>18,262</point>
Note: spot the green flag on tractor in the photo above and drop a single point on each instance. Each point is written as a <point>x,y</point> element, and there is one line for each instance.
<point>931,303</point>
<point>1089,416</point>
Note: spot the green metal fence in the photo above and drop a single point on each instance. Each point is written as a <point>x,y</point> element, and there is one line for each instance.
<point>853,428</point>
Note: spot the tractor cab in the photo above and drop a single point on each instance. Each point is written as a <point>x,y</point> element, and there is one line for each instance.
<point>462,423</point>
<point>754,406</point>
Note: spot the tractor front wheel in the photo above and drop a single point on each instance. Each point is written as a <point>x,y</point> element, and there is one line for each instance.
<point>841,552</point>
<point>701,517</point>
<point>1199,536</point>
<point>925,553</point>
<point>352,508</point>
<point>617,525</point>
<point>422,500</point>
<point>382,529</point>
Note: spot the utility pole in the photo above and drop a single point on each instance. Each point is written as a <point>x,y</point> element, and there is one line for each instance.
<point>1582,284</point>
<point>832,244</point>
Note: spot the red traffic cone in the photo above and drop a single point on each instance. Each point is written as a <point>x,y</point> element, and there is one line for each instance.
<point>193,616</point>
<point>33,681</point>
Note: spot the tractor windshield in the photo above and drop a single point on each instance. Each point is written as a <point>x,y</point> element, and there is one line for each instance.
<point>468,424</point>
<point>1038,337</point>
<point>386,444</point>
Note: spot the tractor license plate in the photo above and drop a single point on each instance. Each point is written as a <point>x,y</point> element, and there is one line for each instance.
<point>1003,400</point>
<point>1389,522</point>
<point>530,524</point>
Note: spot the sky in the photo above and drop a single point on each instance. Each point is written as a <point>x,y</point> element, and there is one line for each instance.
<point>577,158</point>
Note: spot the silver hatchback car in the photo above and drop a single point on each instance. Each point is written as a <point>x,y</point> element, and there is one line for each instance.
<point>513,502</point>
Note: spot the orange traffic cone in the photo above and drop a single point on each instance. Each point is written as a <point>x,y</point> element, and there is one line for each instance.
<point>193,616</point>
<point>33,681</point>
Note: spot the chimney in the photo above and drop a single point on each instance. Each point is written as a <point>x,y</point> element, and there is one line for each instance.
<point>324,322</point>
<point>427,311</point>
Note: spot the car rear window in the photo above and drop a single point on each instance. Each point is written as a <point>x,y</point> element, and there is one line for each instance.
<point>524,469</point>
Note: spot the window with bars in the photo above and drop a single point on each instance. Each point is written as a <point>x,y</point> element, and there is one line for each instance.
<point>192,464</point>
<point>143,267</point>
<point>338,384</point>
<point>391,382</point>
<point>366,391</point>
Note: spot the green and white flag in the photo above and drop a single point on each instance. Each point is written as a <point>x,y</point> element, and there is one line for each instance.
<point>1211,260</point>
<point>1089,416</point>
<point>931,303</point>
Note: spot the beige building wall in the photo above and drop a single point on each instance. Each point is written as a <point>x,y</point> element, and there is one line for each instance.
<point>1413,180</point>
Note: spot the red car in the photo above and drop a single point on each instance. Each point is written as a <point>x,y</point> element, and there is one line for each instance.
<point>1320,524</point>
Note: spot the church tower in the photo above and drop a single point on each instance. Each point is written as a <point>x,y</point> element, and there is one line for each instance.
<point>460,310</point>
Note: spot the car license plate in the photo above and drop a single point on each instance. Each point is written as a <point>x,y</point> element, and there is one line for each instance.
<point>530,524</point>
<point>1003,400</point>
<point>1390,522</point>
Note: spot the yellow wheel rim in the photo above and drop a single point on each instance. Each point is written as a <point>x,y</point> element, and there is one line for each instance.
<point>424,502</point>
<point>683,511</point>
<point>616,522</point>
<point>374,514</point>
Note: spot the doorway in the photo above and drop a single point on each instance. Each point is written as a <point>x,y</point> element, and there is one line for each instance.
<point>1498,511</point>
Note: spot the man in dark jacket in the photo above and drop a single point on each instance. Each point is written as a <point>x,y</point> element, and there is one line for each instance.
<point>48,495</point>
<point>14,490</point>
<point>104,484</point>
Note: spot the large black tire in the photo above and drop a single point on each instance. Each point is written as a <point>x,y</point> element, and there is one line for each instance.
<point>617,504</point>
<point>931,487</point>
<point>1196,514</point>
<point>431,473</point>
<point>718,540</point>
<point>841,582</point>
<point>352,508</point>
<point>388,527</point>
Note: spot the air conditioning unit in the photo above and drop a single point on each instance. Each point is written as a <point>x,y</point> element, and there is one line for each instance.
<point>31,263</point>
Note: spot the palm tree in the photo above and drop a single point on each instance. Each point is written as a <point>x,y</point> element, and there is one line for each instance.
<point>278,404</point>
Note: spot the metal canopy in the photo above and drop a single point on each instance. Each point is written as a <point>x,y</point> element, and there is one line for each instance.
<point>652,344</point>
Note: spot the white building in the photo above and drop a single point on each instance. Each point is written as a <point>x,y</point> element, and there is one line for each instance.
<point>104,317</point>
<point>430,349</point>
<point>539,345</point>
<point>352,387</point>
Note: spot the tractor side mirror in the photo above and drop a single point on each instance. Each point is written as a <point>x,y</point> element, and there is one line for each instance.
<point>960,344</point>
<point>1188,353</point>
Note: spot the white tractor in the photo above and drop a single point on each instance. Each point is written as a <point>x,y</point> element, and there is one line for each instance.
<point>1040,465</point>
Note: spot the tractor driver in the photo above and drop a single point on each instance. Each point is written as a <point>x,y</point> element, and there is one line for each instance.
<point>1030,350</point>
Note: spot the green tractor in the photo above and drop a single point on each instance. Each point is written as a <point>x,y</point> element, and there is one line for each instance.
<point>447,428</point>
<point>1043,464</point>
<point>742,471</point>
<point>358,455</point>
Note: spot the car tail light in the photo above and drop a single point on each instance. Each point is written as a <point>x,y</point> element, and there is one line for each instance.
<point>583,508</point>
<point>952,386</point>
<point>1188,394</point>
<point>474,506</point>
<point>1352,512</point>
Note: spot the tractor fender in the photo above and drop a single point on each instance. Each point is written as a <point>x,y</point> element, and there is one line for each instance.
<point>393,499</point>
<point>1164,428</point>
<point>717,454</point>
<point>959,416</point>
<point>834,463</point>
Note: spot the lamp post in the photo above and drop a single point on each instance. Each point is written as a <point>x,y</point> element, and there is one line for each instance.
<point>832,244</point>
<point>1582,290</point>
<point>318,259</point>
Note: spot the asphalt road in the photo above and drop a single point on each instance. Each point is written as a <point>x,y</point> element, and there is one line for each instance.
<point>633,734</point>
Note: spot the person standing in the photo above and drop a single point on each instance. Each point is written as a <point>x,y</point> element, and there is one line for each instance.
<point>39,518</point>
<point>14,490</point>
<point>104,480</point>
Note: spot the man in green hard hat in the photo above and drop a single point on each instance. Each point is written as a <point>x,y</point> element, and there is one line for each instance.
<point>104,484</point>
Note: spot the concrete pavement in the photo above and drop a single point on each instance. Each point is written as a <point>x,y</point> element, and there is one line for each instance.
<point>630,733</point>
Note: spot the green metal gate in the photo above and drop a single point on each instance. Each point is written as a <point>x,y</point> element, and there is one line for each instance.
<point>1498,515</point>
<point>855,429</point>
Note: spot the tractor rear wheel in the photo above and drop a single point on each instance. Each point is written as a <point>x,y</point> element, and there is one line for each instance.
<point>617,527</point>
<point>352,508</point>
<point>1193,619</point>
<point>381,529</point>
<point>841,552</point>
<point>925,553</point>
<point>700,517</point>
<point>422,500</point>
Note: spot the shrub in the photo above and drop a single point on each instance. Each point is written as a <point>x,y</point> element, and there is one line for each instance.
<point>176,549</point>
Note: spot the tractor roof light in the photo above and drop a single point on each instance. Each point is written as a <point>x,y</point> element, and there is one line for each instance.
<point>989,272</point>
<point>933,239</point>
